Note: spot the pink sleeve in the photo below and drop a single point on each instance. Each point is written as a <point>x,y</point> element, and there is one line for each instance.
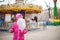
<point>25,31</point>
<point>12,28</point>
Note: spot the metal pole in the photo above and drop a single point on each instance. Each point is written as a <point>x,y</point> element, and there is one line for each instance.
<point>48,6</point>
<point>49,10</point>
<point>55,9</point>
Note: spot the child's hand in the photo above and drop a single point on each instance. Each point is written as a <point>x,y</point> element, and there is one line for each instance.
<point>25,31</point>
<point>10,31</point>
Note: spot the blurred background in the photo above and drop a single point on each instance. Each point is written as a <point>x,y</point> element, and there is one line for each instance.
<point>42,18</point>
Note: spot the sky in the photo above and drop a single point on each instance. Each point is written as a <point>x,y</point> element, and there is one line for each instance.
<point>36,2</point>
<point>7,1</point>
<point>43,4</point>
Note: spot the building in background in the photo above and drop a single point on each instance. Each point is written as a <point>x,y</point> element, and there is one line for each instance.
<point>58,13</point>
<point>19,1</point>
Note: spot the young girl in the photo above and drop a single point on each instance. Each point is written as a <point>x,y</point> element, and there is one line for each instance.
<point>19,28</point>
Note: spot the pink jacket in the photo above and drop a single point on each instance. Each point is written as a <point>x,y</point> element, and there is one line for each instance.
<point>18,34</point>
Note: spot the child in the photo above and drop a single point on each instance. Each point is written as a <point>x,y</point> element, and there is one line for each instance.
<point>19,28</point>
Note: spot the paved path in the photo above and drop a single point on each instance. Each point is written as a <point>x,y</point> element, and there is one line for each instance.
<point>51,33</point>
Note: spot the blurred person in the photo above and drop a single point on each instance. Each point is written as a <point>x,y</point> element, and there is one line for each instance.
<point>2,21</point>
<point>32,20</point>
<point>19,28</point>
<point>35,18</point>
<point>13,18</point>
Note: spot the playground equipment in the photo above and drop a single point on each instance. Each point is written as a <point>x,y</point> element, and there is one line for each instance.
<point>55,21</point>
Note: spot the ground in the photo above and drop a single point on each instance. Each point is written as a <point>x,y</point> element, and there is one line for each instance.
<point>50,33</point>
